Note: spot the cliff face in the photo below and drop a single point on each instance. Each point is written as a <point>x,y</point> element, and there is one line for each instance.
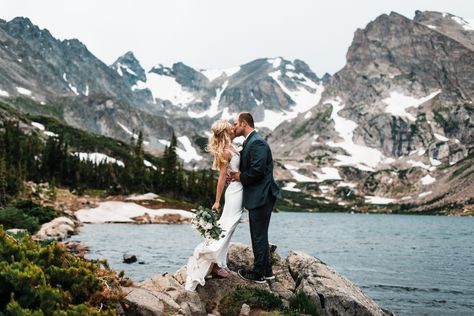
<point>402,101</point>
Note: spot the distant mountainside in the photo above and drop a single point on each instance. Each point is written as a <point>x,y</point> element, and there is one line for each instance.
<point>119,99</point>
<point>397,120</point>
<point>393,126</point>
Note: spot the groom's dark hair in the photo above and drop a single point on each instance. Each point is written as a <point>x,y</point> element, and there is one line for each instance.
<point>247,117</point>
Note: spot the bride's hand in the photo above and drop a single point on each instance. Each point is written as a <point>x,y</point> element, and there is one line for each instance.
<point>216,206</point>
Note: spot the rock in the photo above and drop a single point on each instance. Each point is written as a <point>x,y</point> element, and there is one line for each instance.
<point>215,289</point>
<point>173,294</point>
<point>57,229</point>
<point>245,310</point>
<point>129,258</point>
<point>171,219</point>
<point>77,248</point>
<point>140,301</point>
<point>180,275</point>
<point>330,292</point>
<point>143,219</point>
<point>333,293</point>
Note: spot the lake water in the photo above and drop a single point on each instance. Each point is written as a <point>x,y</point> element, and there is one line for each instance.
<point>412,265</point>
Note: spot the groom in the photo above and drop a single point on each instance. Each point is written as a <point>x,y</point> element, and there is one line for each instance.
<point>260,193</point>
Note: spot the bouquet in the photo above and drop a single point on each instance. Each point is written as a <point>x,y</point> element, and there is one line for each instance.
<point>205,222</point>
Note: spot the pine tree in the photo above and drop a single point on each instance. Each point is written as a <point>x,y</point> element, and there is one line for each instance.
<point>3,178</point>
<point>170,166</point>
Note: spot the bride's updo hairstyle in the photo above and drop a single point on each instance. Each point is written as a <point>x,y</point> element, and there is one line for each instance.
<point>219,141</point>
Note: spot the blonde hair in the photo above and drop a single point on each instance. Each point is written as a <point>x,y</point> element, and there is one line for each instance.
<point>219,141</point>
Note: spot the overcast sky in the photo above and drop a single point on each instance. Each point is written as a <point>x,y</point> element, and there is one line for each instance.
<point>218,33</point>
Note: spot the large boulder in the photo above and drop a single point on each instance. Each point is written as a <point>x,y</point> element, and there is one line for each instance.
<point>325,290</point>
<point>162,295</point>
<point>332,293</point>
<point>58,229</point>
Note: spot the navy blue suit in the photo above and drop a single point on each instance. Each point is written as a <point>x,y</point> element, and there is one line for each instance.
<point>259,196</point>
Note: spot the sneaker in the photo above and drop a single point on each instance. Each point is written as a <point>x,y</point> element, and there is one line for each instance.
<point>270,276</point>
<point>251,276</point>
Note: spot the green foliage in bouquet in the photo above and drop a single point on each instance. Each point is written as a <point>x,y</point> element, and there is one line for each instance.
<point>47,280</point>
<point>206,223</point>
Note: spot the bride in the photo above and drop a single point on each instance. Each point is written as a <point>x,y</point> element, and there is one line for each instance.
<point>211,256</point>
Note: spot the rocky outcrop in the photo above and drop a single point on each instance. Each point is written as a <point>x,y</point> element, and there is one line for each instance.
<point>58,229</point>
<point>328,291</point>
<point>403,101</point>
<point>333,293</point>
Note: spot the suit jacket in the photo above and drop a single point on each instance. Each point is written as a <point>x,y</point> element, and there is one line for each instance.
<point>256,172</point>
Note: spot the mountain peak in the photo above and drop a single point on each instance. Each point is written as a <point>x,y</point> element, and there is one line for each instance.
<point>20,20</point>
<point>128,67</point>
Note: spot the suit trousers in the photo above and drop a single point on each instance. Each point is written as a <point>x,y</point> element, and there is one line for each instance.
<point>259,219</point>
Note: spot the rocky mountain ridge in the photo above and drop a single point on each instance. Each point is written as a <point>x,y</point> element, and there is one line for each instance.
<point>402,106</point>
<point>386,129</point>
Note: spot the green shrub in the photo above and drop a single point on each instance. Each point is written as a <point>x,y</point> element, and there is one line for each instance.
<point>256,298</point>
<point>302,304</point>
<point>11,217</point>
<point>47,280</point>
<point>44,214</point>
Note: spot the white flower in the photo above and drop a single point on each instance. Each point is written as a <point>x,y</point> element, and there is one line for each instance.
<point>208,226</point>
<point>202,222</point>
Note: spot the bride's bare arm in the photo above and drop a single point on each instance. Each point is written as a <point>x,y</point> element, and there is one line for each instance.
<point>222,180</point>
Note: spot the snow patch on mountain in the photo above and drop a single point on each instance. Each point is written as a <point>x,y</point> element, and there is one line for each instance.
<point>304,100</point>
<point>165,88</point>
<point>38,126</point>
<point>275,62</point>
<point>187,154</point>
<point>427,180</point>
<point>190,152</point>
<point>398,103</point>
<point>441,137</point>
<point>423,194</point>
<point>290,186</point>
<point>50,134</point>
<point>362,157</point>
<point>98,158</point>
<point>73,89</point>
<point>23,91</point>
<point>298,176</point>
<point>213,74</point>
<point>121,66</point>
<point>214,108</point>
<point>271,119</point>
<point>149,164</point>
<point>327,173</point>
<point>378,200</point>
<point>467,24</point>
<point>129,132</point>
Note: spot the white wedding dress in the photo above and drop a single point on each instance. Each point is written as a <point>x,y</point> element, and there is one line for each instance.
<point>215,251</point>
